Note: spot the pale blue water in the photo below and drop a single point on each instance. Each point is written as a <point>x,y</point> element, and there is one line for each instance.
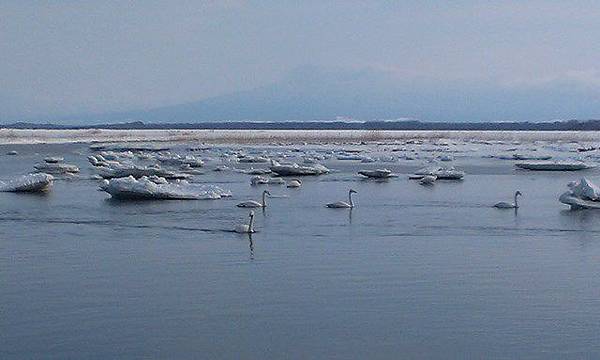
<point>412,272</point>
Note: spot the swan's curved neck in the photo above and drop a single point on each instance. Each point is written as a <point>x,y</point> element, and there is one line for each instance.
<point>350,198</point>
<point>516,203</point>
<point>264,199</point>
<point>251,224</point>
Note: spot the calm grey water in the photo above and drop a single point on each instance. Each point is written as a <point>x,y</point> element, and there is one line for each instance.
<point>413,272</point>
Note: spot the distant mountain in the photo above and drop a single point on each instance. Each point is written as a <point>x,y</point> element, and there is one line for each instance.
<point>312,93</point>
<point>571,125</point>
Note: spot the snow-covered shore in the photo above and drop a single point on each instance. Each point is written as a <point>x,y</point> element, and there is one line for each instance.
<point>24,136</point>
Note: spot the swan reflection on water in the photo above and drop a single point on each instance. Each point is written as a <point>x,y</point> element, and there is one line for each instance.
<point>251,246</point>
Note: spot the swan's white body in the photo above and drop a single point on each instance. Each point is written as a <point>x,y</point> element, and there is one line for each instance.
<point>246,228</point>
<point>343,204</point>
<point>294,183</point>
<point>507,205</point>
<point>255,204</point>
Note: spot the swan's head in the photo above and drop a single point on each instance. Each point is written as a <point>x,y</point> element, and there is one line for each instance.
<point>352,191</point>
<point>251,215</point>
<point>266,192</point>
<point>518,193</point>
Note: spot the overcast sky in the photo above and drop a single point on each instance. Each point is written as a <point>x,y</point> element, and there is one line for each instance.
<point>67,57</point>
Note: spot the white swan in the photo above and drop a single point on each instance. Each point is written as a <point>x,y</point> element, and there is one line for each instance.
<point>343,204</point>
<point>507,205</point>
<point>246,228</point>
<point>255,204</point>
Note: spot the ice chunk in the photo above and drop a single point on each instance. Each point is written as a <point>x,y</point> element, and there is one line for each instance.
<point>440,172</point>
<point>531,157</point>
<point>294,183</point>
<point>577,203</point>
<point>252,159</point>
<point>168,158</point>
<point>261,180</point>
<point>428,180</point>
<point>38,182</point>
<point>349,157</point>
<point>297,170</point>
<point>53,159</point>
<point>378,173</point>
<point>159,189</point>
<point>56,168</point>
<point>118,170</point>
<point>585,189</point>
<point>253,171</point>
<point>582,195</point>
<point>554,165</point>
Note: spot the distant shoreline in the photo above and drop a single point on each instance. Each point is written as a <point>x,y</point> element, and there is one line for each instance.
<point>54,136</point>
<point>408,125</point>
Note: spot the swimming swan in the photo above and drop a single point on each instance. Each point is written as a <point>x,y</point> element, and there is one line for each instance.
<point>507,205</point>
<point>255,204</point>
<point>343,204</point>
<point>246,228</point>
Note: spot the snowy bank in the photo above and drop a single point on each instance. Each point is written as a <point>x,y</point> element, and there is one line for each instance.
<point>28,136</point>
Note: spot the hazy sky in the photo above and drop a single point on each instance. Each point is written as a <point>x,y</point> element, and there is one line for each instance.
<point>66,57</point>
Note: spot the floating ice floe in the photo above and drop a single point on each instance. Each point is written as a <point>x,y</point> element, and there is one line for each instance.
<point>99,160</point>
<point>53,159</point>
<point>387,159</point>
<point>531,157</point>
<point>554,165</point>
<point>186,168</point>
<point>297,170</point>
<point>252,159</point>
<point>581,195</point>
<point>378,173</point>
<point>115,155</point>
<point>367,159</point>
<point>178,160</point>
<point>160,189</point>
<point>440,172</point>
<point>124,170</point>
<point>294,183</point>
<point>56,168</point>
<point>351,150</point>
<point>221,168</point>
<point>109,169</point>
<point>261,180</point>
<point>586,149</point>
<point>12,152</point>
<point>253,171</point>
<point>428,180</point>
<point>349,157</point>
<point>38,182</point>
